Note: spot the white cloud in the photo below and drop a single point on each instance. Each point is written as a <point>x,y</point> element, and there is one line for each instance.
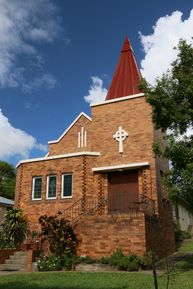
<point>46,80</point>
<point>22,25</point>
<point>15,142</point>
<point>97,92</point>
<point>158,47</point>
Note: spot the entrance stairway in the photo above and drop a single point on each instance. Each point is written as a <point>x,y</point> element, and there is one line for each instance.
<point>82,208</point>
<point>15,262</point>
<point>91,207</point>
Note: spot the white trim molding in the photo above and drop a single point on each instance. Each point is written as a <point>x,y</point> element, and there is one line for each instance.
<point>62,191</point>
<point>120,167</point>
<point>118,99</point>
<point>95,154</point>
<point>70,126</point>
<point>47,187</point>
<point>33,188</point>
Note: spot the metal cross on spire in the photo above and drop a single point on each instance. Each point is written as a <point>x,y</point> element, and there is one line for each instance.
<point>120,136</point>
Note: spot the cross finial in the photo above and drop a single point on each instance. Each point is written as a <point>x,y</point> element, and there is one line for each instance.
<point>120,136</point>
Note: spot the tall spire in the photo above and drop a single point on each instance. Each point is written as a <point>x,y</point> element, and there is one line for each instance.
<point>127,75</point>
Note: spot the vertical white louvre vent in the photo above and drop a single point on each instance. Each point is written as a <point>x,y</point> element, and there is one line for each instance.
<point>82,138</point>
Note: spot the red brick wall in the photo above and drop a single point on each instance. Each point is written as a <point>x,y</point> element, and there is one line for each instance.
<point>69,143</point>
<point>101,235</point>
<point>82,184</point>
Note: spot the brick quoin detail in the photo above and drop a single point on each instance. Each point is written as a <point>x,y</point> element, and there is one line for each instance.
<point>100,192</point>
<point>84,176</point>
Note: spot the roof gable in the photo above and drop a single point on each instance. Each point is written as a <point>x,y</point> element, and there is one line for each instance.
<point>70,126</point>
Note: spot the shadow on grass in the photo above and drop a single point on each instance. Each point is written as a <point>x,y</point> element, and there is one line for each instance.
<point>185,264</point>
<point>34,285</point>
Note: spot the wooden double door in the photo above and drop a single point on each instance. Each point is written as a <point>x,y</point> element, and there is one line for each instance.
<point>123,192</point>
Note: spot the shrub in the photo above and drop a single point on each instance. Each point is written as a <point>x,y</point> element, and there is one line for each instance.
<point>134,262</point>
<point>67,262</point>
<point>4,243</point>
<point>115,258</point>
<point>186,235</point>
<point>147,261</point>
<point>49,263</point>
<point>131,262</point>
<point>123,263</point>
<point>60,235</point>
<point>104,260</point>
<point>76,260</point>
<point>177,233</point>
<point>180,235</point>
<point>87,260</point>
<point>14,227</point>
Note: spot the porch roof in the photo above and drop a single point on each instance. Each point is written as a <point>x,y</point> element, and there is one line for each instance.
<point>6,202</point>
<point>121,167</point>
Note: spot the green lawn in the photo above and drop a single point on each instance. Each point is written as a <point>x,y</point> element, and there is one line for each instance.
<point>187,246</point>
<point>77,280</point>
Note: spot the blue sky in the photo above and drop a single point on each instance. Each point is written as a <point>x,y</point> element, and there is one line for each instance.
<point>53,54</point>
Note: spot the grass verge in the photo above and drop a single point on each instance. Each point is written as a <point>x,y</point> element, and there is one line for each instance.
<point>186,247</point>
<point>77,280</point>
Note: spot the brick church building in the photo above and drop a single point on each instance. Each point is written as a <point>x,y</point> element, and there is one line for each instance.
<point>102,174</point>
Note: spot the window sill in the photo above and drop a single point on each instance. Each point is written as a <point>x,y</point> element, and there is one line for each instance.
<point>63,198</point>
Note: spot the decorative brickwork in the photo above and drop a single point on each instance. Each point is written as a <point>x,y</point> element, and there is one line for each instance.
<point>84,187</point>
<point>146,183</point>
<point>100,192</point>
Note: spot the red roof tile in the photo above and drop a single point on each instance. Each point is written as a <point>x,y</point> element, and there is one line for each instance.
<point>127,75</point>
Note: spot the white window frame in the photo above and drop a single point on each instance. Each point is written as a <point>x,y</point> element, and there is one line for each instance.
<point>47,187</point>
<point>66,197</point>
<point>33,188</point>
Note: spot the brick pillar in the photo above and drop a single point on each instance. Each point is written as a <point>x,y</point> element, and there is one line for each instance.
<point>29,260</point>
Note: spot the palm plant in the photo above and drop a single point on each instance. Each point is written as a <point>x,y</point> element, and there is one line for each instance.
<point>14,226</point>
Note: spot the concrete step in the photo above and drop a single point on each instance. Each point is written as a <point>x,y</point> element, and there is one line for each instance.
<point>20,262</point>
<point>17,258</point>
<point>20,253</point>
<point>16,262</point>
<point>12,267</point>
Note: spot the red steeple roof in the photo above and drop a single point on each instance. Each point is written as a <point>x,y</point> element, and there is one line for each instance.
<point>127,75</point>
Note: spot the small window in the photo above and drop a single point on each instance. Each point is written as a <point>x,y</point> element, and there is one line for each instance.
<point>51,187</point>
<point>67,186</point>
<point>36,188</point>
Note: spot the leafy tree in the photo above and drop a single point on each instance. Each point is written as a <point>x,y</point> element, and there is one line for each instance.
<point>7,180</point>
<point>14,227</point>
<point>172,101</point>
<point>59,233</point>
